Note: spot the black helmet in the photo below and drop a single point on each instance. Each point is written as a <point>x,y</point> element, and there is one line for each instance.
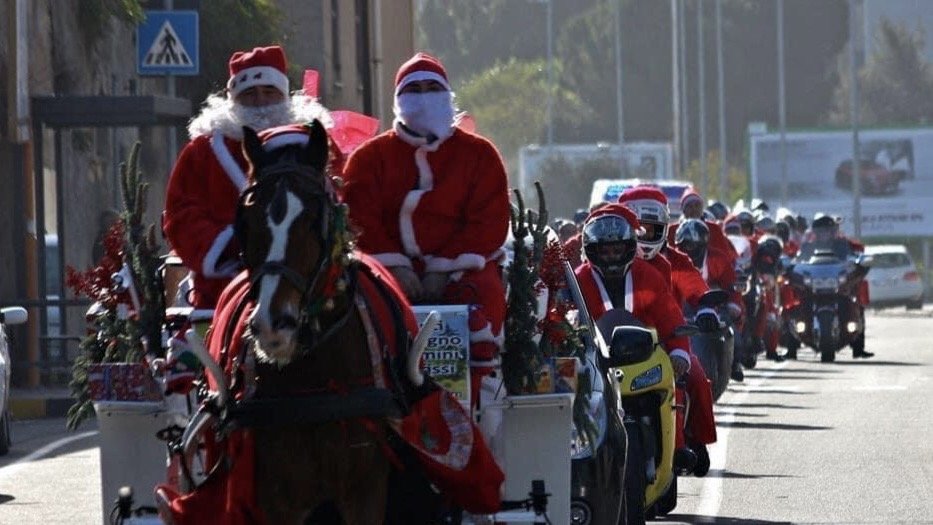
<point>782,230</point>
<point>822,220</point>
<point>580,215</point>
<point>610,244</point>
<point>718,209</point>
<point>825,227</point>
<point>693,239</point>
<point>768,254</point>
<point>746,222</point>
<point>801,223</point>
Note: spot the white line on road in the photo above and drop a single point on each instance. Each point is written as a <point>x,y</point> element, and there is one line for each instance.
<point>711,493</point>
<point>20,463</point>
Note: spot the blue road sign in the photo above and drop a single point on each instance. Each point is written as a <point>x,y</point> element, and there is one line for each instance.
<point>167,43</point>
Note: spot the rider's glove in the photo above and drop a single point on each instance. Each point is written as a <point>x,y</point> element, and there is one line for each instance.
<point>707,320</point>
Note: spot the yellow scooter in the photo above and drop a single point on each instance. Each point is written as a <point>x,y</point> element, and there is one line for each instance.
<point>649,399</point>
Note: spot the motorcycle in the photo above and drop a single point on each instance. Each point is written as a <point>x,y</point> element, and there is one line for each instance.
<point>649,401</point>
<point>715,349</point>
<point>828,317</point>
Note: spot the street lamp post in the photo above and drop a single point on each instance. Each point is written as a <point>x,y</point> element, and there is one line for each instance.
<point>723,168</point>
<point>675,88</point>
<point>854,117</point>
<point>701,103</point>
<point>550,73</point>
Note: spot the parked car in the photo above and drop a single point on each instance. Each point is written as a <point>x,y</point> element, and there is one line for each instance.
<point>894,279</point>
<point>8,316</point>
<point>876,179</point>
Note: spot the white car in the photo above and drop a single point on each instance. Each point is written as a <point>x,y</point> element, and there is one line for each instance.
<point>10,315</point>
<point>894,279</point>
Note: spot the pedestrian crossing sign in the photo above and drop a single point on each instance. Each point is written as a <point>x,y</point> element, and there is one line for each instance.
<point>167,43</point>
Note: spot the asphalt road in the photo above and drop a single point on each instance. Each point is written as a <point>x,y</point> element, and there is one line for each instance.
<point>799,442</point>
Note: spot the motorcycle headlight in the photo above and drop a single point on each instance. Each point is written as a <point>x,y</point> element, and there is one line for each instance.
<point>647,378</point>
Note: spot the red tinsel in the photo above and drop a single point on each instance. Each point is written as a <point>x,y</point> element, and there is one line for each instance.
<point>96,282</point>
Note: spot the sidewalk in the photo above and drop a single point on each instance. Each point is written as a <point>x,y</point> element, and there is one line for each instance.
<point>34,403</point>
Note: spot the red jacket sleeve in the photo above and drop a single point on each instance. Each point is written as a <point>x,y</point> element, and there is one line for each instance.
<point>686,279</point>
<point>656,307</point>
<point>368,207</point>
<point>199,214</point>
<point>487,209</point>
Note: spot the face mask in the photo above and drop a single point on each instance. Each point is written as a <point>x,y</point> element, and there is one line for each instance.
<point>427,114</point>
<point>264,117</point>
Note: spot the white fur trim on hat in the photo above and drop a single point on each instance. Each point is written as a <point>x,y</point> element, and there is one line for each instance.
<point>257,76</point>
<point>209,266</point>
<point>415,76</point>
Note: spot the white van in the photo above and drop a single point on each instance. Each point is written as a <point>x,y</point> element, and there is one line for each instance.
<point>608,190</point>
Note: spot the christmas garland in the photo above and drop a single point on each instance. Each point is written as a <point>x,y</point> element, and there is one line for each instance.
<point>127,290</point>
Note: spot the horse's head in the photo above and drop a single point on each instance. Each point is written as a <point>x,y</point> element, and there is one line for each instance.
<point>285,229</point>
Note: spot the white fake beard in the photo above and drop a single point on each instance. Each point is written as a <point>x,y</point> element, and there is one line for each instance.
<point>265,117</point>
<point>427,114</point>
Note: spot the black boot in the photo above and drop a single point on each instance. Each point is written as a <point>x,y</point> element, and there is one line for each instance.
<point>737,374</point>
<point>702,466</point>
<point>684,460</point>
<point>862,354</point>
<point>774,356</point>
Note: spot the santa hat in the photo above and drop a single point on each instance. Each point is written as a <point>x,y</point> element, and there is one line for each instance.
<point>281,136</point>
<point>263,66</point>
<point>618,210</point>
<point>688,196</point>
<point>422,66</point>
<point>640,193</point>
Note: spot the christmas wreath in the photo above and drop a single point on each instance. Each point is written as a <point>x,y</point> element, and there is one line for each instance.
<point>128,310</point>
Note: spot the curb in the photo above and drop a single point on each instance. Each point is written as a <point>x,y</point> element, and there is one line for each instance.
<point>39,407</point>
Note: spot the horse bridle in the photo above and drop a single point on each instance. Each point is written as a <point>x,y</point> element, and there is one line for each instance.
<point>304,175</point>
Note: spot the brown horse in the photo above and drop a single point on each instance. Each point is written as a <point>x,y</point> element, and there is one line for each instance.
<point>309,341</point>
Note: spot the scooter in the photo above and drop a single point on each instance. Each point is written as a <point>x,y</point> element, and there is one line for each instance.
<point>650,401</point>
<point>715,349</point>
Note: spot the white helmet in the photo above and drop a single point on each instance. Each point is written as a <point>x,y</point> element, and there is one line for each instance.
<point>654,218</point>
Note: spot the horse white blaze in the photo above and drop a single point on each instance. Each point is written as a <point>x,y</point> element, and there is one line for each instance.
<point>276,342</point>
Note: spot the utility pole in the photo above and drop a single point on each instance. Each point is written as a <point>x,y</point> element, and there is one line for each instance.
<point>685,105</point>
<point>675,88</point>
<point>854,64</point>
<point>620,126</point>
<point>550,74</point>
<point>720,88</point>
<point>782,110</point>
<point>701,104</point>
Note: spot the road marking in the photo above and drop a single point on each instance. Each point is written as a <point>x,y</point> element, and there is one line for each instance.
<point>20,463</point>
<point>711,492</point>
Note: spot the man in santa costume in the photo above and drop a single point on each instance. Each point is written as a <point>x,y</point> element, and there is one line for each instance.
<point>613,277</point>
<point>430,201</point>
<point>205,185</point>
<point>691,205</point>
<point>686,280</point>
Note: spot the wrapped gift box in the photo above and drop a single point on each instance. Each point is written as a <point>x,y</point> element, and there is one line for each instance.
<point>122,382</point>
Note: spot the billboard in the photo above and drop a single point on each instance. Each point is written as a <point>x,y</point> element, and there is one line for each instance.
<point>896,175</point>
<point>567,171</point>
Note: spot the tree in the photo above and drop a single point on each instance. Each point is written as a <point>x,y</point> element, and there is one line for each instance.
<point>895,84</point>
<point>507,101</point>
<point>256,23</point>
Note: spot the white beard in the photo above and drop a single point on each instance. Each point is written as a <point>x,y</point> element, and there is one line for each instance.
<point>224,115</point>
<point>427,114</point>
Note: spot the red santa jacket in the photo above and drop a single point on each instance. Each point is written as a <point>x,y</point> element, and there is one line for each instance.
<point>200,207</point>
<point>647,296</point>
<point>446,203</point>
<point>717,238</point>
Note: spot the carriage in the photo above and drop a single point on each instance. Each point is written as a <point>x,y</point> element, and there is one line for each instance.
<point>530,436</point>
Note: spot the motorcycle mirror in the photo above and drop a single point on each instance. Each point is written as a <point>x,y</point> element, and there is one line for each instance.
<point>687,330</point>
<point>13,315</point>
<point>714,298</point>
<point>866,260</point>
